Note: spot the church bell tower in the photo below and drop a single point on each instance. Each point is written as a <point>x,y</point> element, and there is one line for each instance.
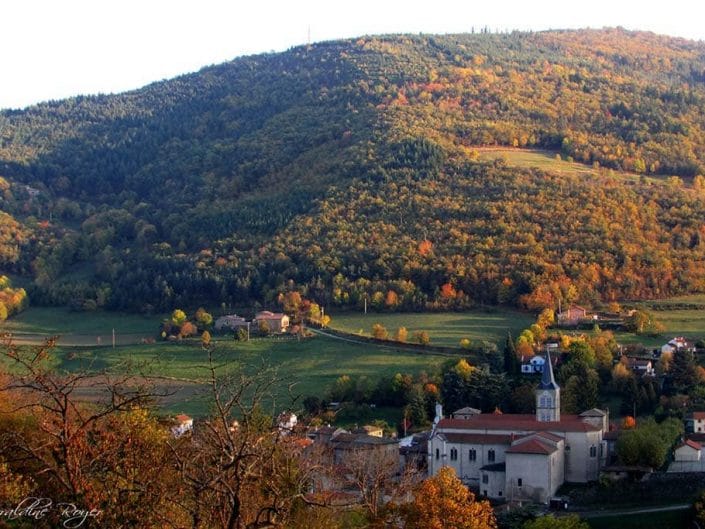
<point>548,395</point>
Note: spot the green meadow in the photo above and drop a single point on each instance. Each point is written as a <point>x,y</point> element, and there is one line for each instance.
<point>444,328</point>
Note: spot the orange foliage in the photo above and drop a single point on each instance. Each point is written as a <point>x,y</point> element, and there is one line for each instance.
<point>447,291</point>
<point>628,422</point>
<point>425,247</point>
<point>443,501</point>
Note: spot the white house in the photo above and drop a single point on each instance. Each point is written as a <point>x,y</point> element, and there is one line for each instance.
<point>534,365</point>
<point>640,366</point>
<point>676,344</point>
<point>182,425</point>
<point>687,457</point>
<point>695,422</point>
<point>522,456</point>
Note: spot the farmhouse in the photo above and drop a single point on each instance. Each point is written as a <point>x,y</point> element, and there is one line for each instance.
<point>275,322</point>
<point>679,343</point>
<point>230,322</point>
<point>572,315</point>
<point>521,457</point>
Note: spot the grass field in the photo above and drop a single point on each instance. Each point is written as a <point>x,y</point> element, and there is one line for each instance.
<point>444,328</point>
<point>61,321</point>
<point>547,161</point>
<point>311,365</point>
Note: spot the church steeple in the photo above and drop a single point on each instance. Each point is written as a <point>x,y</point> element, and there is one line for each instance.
<point>548,395</point>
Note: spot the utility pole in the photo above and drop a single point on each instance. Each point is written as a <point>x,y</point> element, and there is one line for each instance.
<point>113,338</point>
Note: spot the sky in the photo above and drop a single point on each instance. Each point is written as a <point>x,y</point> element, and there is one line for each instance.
<point>53,49</point>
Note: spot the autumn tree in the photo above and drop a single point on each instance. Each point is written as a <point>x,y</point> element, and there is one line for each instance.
<point>239,470</point>
<point>178,317</point>
<point>379,332</point>
<point>402,334</point>
<point>110,455</point>
<point>422,337</point>
<point>443,502</point>
<point>203,318</point>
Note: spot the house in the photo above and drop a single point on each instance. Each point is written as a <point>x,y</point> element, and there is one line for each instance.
<point>695,422</point>
<point>522,456</point>
<point>573,315</point>
<point>277,323</point>
<point>368,429</point>
<point>182,425</point>
<point>534,365</point>
<point>230,323</point>
<point>286,422</point>
<point>413,451</point>
<point>687,457</point>
<point>345,444</point>
<point>677,344</point>
<point>640,366</point>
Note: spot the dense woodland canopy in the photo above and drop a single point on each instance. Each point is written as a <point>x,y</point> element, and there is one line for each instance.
<point>347,170</point>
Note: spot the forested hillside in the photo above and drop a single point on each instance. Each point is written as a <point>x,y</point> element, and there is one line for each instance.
<point>348,170</point>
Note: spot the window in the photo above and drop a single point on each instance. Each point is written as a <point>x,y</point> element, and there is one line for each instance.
<point>472,454</point>
<point>593,451</point>
<point>485,478</point>
<point>438,453</point>
<point>490,456</point>
<point>453,454</point>
<point>499,493</point>
<point>519,482</point>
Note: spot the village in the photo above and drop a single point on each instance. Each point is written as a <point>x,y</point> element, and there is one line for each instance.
<point>511,459</point>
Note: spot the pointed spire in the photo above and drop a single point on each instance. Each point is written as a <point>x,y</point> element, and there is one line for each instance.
<point>547,380</point>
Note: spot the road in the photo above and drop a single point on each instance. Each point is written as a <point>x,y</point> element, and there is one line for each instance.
<point>637,510</point>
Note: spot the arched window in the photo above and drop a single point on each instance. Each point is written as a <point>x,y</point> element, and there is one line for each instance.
<point>472,454</point>
<point>453,454</point>
<point>490,456</point>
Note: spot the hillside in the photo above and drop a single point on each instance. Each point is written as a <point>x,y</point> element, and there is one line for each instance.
<point>348,169</point>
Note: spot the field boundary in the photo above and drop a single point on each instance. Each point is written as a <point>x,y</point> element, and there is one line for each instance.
<point>438,350</point>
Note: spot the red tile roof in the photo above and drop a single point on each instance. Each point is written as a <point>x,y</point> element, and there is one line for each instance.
<point>692,444</point>
<point>519,422</point>
<point>550,436</point>
<point>532,446</point>
<point>699,415</point>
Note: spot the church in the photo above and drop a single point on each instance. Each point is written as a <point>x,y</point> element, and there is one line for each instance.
<point>521,457</point>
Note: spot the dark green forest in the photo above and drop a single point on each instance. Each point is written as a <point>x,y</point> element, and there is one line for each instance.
<point>347,170</point>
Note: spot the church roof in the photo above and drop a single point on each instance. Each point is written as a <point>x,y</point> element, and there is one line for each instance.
<point>547,380</point>
<point>478,438</point>
<point>518,423</point>
<point>532,446</point>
